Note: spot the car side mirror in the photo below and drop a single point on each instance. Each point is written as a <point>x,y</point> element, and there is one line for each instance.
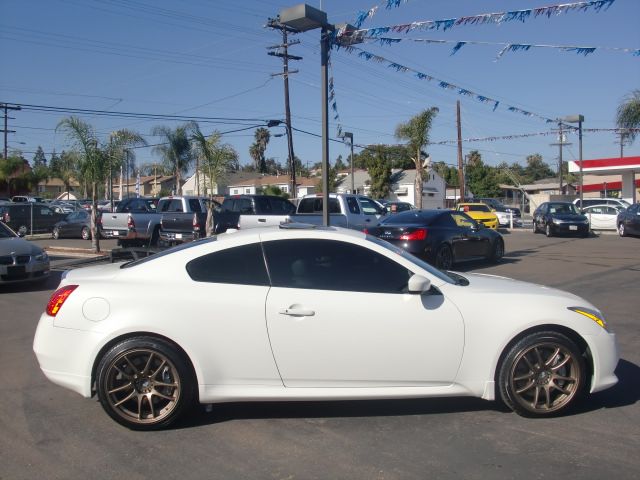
<point>419,284</point>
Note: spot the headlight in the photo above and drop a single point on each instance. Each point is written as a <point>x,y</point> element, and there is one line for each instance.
<point>42,256</point>
<point>556,221</point>
<point>591,314</point>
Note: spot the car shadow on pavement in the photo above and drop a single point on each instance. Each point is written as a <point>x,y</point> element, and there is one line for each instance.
<point>225,412</point>
<point>626,392</point>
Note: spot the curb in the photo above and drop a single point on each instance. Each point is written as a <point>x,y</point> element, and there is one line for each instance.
<point>77,252</point>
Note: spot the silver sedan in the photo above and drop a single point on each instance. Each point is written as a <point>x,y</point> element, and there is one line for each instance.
<point>20,260</point>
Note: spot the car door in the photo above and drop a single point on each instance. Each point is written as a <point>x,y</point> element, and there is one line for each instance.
<point>597,216</point>
<point>632,219</point>
<point>338,315</point>
<point>471,242</point>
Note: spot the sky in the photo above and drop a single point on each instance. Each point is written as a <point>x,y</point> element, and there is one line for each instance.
<point>208,59</point>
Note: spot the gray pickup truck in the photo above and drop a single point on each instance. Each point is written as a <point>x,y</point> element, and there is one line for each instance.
<point>135,222</point>
<point>345,210</point>
<point>252,211</point>
<point>184,219</point>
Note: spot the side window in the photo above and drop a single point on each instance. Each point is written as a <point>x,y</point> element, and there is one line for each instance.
<point>244,206</point>
<point>333,265</point>
<point>262,205</point>
<point>239,265</point>
<point>368,207</point>
<point>227,205</point>
<point>352,203</point>
<point>281,206</point>
<point>194,205</point>
<point>445,220</point>
<point>306,205</point>
<point>45,212</point>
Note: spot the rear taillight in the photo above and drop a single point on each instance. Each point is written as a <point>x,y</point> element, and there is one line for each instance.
<point>365,231</point>
<point>58,298</point>
<point>130,223</point>
<point>196,222</point>
<point>418,234</point>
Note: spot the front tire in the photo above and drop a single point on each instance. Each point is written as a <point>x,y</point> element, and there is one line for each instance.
<point>548,231</point>
<point>444,257</point>
<point>85,233</point>
<point>498,251</point>
<point>144,383</point>
<point>55,233</point>
<point>535,228</point>
<point>543,374</point>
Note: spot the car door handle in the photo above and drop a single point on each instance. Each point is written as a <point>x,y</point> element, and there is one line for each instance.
<point>262,220</point>
<point>296,312</point>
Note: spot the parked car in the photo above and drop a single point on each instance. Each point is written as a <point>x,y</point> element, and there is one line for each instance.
<point>74,225</point>
<point>29,217</point>
<point>480,212</point>
<point>251,211</point>
<point>602,217</point>
<point>440,237</point>
<point>313,313</point>
<point>183,219</point>
<point>587,202</point>
<point>397,207</point>
<point>629,221</point>
<point>504,213</point>
<point>26,198</point>
<point>560,218</point>
<point>345,210</point>
<point>136,221</point>
<point>20,260</point>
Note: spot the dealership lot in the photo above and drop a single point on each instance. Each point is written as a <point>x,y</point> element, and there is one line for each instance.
<point>50,432</point>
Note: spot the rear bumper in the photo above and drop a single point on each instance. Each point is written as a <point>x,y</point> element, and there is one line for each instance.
<point>178,237</point>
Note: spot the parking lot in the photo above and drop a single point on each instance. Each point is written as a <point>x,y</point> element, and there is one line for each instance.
<point>50,432</point>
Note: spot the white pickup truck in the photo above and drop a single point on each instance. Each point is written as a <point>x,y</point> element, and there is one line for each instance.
<point>345,210</point>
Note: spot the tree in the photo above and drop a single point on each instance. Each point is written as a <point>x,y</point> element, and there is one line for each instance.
<point>333,180</point>
<point>482,179</point>
<point>8,168</point>
<point>176,149</point>
<point>39,159</point>
<point>215,159</point>
<point>536,168</point>
<point>628,114</point>
<point>339,164</point>
<point>379,167</point>
<point>259,147</point>
<point>416,132</point>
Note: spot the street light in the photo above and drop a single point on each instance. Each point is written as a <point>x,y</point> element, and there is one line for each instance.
<point>578,119</point>
<point>349,135</point>
<point>304,17</point>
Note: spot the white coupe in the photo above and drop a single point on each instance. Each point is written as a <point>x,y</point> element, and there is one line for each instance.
<point>300,312</point>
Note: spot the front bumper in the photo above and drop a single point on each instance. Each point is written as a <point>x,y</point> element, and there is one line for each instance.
<point>605,356</point>
<point>570,228</point>
<point>32,271</point>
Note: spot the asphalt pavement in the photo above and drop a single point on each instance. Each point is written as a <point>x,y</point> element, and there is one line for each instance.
<point>50,432</point>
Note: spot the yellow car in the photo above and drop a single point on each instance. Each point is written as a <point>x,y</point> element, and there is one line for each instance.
<point>480,212</point>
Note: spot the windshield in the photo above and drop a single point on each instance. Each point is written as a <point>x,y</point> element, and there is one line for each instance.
<point>441,274</point>
<point>562,208</point>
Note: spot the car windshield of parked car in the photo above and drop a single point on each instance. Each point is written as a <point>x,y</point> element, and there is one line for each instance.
<point>562,208</point>
<point>442,275</point>
<point>5,232</point>
<point>474,208</point>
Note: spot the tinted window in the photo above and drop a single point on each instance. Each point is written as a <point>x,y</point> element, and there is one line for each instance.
<point>445,220</point>
<point>239,265</point>
<point>262,205</point>
<point>243,206</point>
<point>462,220</point>
<point>412,216</point>
<point>194,205</point>
<point>333,265</point>
<point>280,206</point>
<point>314,205</point>
<point>352,203</point>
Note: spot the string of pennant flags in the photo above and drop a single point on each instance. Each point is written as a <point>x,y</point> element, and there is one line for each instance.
<point>481,19</point>
<point>333,102</point>
<point>507,46</point>
<point>441,83</point>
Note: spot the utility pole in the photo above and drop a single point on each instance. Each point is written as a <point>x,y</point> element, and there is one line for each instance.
<point>282,51</point>
<point>6,108</point>
<point>561,142</point>
<point>460,166</point>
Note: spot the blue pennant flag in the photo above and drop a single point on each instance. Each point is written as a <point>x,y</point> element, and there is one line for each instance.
<point>457,47</point>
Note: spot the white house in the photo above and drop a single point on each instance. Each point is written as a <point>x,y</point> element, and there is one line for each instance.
<point>250,186</point>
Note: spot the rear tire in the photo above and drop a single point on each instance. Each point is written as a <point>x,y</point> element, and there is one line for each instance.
<point>22,230</point>
<point>544,374</point>
<point>144,383</point>
<point>444,257</point>
<point>621,230</point>
<point>55,234</point>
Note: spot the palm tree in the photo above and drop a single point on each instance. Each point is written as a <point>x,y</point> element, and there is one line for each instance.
<point>215,159</point>
<point>257,149</point>
<point>91,164</point>
<point>628,115</point>
<point>117,151</point>
<point>416,132</point>
<point>94,160</point>
<point>176,151</point>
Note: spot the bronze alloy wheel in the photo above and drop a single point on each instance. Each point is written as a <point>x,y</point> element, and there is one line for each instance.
<point>542,375</point>
<point>143,383</point>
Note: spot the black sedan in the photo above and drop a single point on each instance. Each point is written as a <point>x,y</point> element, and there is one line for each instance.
<point>441,237</point>
<point>560,218</point>
<point>74,225</point>
<point>628,221</point>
